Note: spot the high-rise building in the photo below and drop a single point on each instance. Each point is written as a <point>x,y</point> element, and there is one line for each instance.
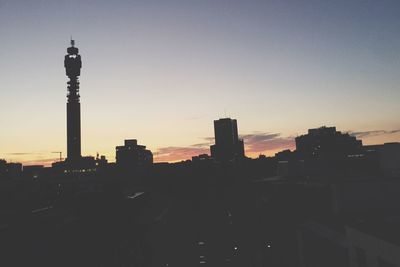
<point>132,155</point>
<point>228,146</point>
<point>73,64</point>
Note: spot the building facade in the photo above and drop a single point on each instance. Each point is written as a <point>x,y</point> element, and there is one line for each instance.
<point>133,155</point>
<point>326,142</point>
<point>228,146</point>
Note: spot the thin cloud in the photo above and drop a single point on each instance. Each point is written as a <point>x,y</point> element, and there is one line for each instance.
<point>45,162</point>
<point>201,145</point>
<point>263,142</point>
<point>208,142</point>
<point>373,133</point>
<point>178,153</point>
<point>21,153</point>
<point>175,153</point>
<point>31,158</point>
<point>254,143</point>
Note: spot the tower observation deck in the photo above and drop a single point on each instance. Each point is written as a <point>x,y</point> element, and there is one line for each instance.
<point>73,64</point>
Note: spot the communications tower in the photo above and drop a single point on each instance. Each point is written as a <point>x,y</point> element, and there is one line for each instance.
<point>73,64</point>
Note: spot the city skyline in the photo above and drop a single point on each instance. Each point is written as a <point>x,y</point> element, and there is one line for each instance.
<point>138,88</point>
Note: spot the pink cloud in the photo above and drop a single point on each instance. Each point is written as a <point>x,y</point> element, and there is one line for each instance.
<point>172,154</point>
<point>257,143</point>
<point>266,143</point>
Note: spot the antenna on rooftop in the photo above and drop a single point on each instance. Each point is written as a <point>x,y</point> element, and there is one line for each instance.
<point>60,153</point>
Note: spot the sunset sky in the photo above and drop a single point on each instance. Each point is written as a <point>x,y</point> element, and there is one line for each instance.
<point>162,71</point>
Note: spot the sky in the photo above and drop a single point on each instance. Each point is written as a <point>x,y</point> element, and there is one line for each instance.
<point>162,71</point>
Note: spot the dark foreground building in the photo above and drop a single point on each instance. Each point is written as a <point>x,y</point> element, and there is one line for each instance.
<point>389,158</point>
<point>228,146</point>
<point>133,155</point>
<point>326,142</point>
<point>325,153</point>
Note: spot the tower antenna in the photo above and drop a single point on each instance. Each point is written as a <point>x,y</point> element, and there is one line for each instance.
<point>73,64</point>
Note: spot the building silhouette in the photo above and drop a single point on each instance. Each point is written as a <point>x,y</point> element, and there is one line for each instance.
<point>388,155</point>
<point>228,146</point>
<point>133,155</point>
<point>326,142</point>
<point>3,167</point>
<point>73,64</point>
<point>327,154</point>
<point>10,169</point>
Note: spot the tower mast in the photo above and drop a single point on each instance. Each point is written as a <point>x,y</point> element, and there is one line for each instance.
<point>73,64</point>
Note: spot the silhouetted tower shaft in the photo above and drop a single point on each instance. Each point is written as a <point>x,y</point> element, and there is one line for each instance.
<point>73,64</point>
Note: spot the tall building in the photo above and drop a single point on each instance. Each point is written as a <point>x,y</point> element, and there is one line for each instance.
<point>228,146</point>
<point>73,64</point>
<point>132,155</point>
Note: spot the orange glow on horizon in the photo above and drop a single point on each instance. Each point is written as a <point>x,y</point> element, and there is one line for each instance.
<point>177,154</point>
